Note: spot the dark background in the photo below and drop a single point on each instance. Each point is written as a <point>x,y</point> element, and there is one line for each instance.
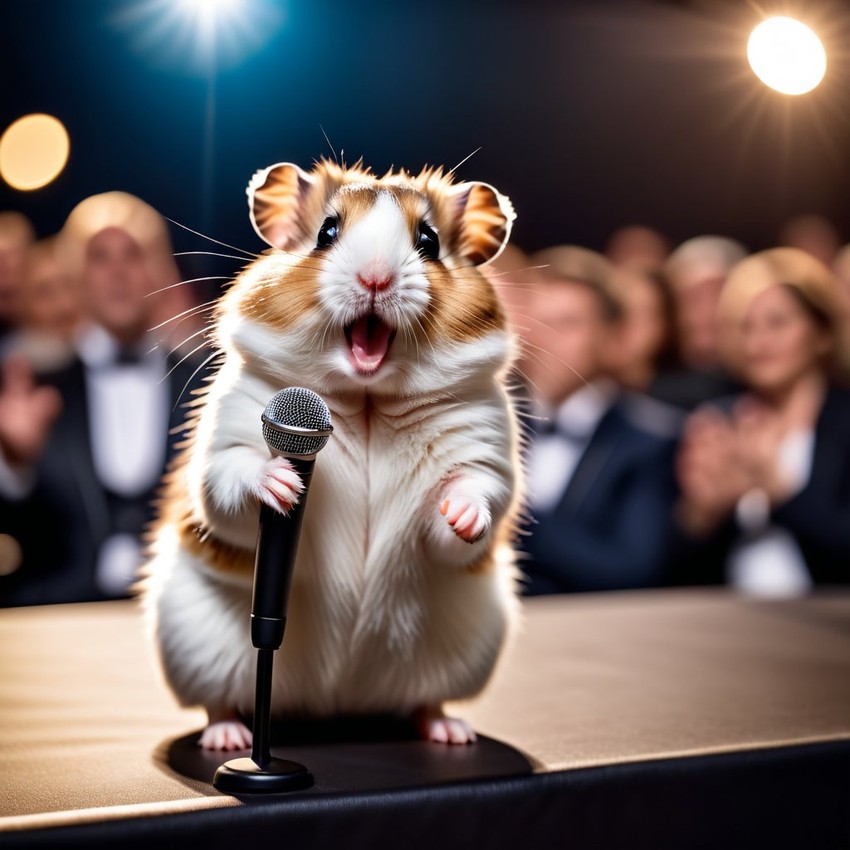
<point>589,115</point>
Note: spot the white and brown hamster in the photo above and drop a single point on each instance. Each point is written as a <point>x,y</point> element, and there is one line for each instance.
<point>405,588</point>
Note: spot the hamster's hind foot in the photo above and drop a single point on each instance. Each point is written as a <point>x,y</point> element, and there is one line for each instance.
<point>225,733</point>
<point>433,725</point>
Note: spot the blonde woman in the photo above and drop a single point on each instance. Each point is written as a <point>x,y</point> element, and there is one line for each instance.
<point>765,477</point>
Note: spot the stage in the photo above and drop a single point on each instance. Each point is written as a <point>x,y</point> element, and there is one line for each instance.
<point>681,718</point>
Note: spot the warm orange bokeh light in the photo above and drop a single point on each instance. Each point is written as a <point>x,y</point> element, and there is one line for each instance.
<point>33,151</point>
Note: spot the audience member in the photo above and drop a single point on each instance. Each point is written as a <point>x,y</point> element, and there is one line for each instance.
<point>601,483</point>
<point>697,270</point>
<point>815,234</point>
<point>50,312</point>
<point>16,236</point>
<point>84,452</point>
<point>765,477</point>
<point>648,347</point>
<point>638,246</point>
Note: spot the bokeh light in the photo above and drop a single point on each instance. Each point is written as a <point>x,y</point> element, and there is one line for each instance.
<point>33,151</point>
<point>786,55</point>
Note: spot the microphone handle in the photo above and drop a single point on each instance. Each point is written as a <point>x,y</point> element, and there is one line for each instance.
<point>277,544</point>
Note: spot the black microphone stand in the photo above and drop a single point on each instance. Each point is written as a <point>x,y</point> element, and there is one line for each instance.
<point>263,772</point>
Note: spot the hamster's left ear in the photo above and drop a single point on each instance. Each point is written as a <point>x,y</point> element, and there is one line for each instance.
<point>485,219</point>
<point>275,199</point>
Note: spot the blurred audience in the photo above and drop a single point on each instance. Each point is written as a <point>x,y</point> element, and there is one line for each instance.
<point>50,312</point>
<point>82,450</point>
<point>648,346</point>
<point>697,270</point>
<point>687,408</point>
<point>638,246</point>
<point>16,236</point>
<point>601,480</point>
<point>815,234</point>
<point>765,476</point>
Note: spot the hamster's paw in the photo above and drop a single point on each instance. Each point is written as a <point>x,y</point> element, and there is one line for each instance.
<point>231,734</point>
<point>279,485</point>
<point>434,726</point>
<point>469,517</point>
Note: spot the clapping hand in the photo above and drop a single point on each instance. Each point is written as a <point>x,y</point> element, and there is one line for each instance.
<point>27,413</point>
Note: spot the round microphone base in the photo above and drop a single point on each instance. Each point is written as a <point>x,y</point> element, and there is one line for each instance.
<point>245,776</point>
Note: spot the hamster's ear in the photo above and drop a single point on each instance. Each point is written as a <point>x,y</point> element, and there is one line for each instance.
<point>485,219</point>
<point>275,199</point>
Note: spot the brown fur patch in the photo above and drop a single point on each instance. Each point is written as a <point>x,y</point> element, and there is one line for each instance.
<point>275,291</point>
<point>464,306</point>
<point>221,556</point>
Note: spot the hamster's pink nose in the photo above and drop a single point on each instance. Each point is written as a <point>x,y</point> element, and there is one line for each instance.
<point>376,277</point>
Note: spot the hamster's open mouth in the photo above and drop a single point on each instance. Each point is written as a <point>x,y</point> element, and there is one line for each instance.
<point>369,339</point>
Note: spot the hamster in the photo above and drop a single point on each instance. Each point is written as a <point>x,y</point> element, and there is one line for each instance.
<point>405,590</point>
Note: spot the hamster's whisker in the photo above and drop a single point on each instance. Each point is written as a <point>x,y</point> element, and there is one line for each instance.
<point>336,160</point>
<point>210,254</point>
<point>506,272</point>
<point>189,338</point>
<point>185,357</point>
<point>425,333</point>
<point>205,362</point>
<point>185,282</point>
<point>463,161</point>
<point>325,331</point>
<point>527,346</point>
<point>210,238</point>
<point>185,314</point>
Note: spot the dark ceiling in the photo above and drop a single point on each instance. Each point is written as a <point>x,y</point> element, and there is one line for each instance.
<point>590,115</point>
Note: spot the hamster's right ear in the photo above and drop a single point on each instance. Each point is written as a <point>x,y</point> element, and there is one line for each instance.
<point>275,199</point>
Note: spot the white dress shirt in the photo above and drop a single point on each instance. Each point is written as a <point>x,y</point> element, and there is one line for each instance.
<point>128,412</point>
<point>768,562</point>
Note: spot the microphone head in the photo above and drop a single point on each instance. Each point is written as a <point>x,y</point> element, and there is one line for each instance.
<point>296,422</point>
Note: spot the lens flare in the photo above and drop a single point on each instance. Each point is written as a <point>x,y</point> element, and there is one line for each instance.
<point>786,55</point>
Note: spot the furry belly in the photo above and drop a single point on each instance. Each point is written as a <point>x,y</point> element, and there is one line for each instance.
<point>416,634</point>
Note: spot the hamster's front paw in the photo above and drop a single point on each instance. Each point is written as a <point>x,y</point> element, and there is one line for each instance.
<point>279,485</point>
<point>468,516</point>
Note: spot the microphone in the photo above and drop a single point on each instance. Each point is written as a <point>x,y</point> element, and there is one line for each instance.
<point>296,425</point>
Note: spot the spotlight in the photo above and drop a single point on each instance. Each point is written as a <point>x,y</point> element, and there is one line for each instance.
<point>199,36</point>
<point>210,14</point>
<point>786,55</point>
<point>33,151</point>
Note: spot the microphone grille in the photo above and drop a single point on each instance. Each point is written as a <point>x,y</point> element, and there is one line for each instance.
<point>300,409</point>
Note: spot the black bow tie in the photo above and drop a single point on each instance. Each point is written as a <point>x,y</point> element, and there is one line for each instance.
<point>551,427</point>
<point>127,355</point>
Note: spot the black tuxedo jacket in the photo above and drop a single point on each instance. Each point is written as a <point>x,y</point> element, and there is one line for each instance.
<point>61,525</point>
<point>611,528</point>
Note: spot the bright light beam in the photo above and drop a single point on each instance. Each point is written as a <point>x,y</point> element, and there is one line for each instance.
<point>200,36</point>
<point>786,55</point>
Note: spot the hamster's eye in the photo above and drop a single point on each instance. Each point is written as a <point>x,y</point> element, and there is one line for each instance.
<point>427,242</point>
<point>328,232</point>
